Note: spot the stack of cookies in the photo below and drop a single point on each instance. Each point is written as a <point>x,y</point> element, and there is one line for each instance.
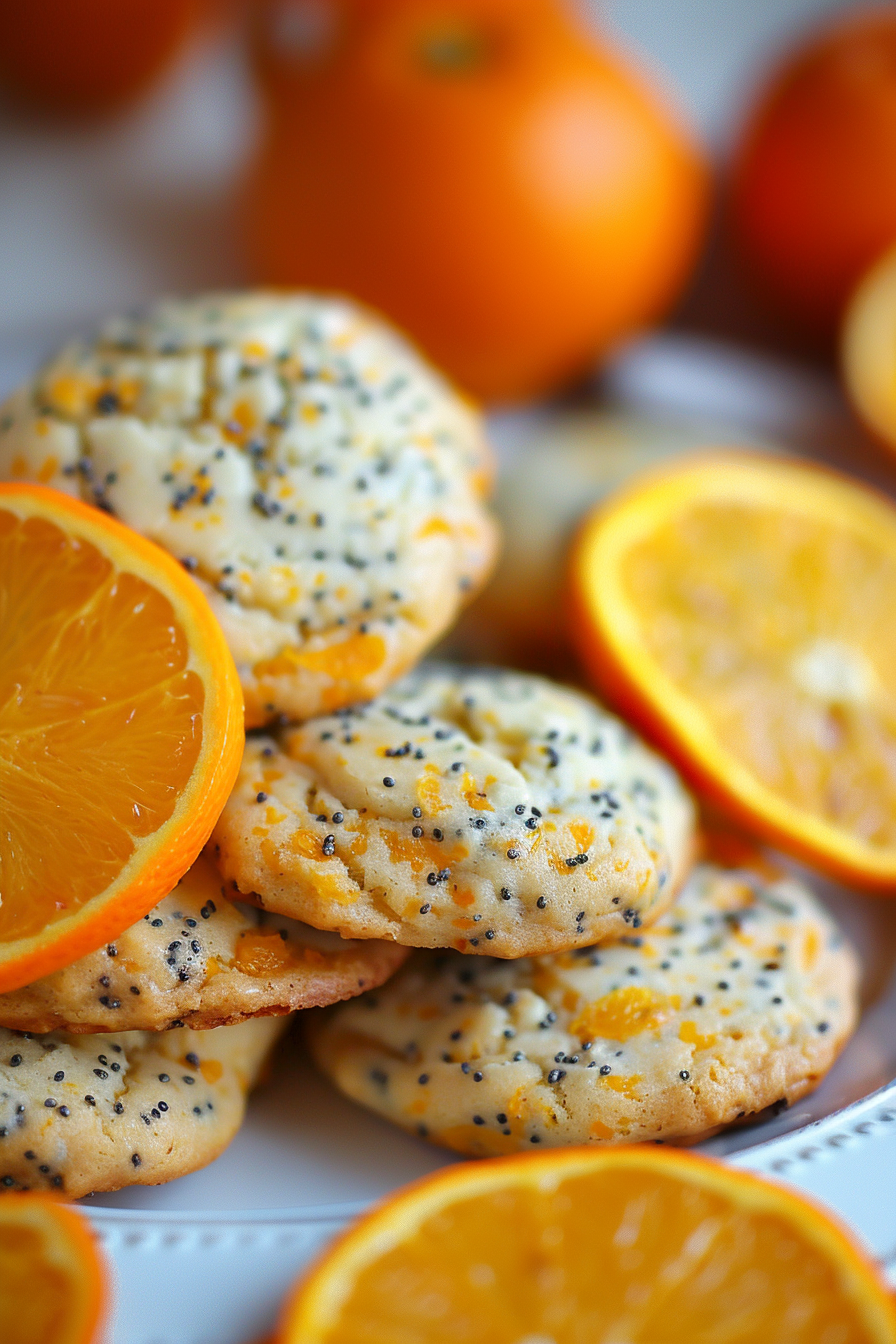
<point>598,988</point>
<point>578,979</point>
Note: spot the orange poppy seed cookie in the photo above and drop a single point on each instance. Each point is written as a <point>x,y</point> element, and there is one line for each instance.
<point>86,1113</point>
<point>322,483</point>
<point>490,811</point>
<point>197,960</point>
<point>740,998</point>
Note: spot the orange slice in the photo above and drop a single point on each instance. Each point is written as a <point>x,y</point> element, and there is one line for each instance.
<point>741,611</point>
<point>52,1278</point>
<point>592,1246</point>
<point>120,728</point>
<point>868,349</point>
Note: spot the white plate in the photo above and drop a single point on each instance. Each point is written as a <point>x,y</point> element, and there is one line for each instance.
<point>207,1259</point>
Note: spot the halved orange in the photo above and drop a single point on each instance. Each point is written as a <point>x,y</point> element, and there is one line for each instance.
<point>592,1246</point>
<point>53,1280</point>
<point>868,348</point>
<point>741,611</point>
<point>121,728</point>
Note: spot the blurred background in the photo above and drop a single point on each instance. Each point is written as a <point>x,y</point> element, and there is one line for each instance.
<point>628,227</point>
<point>102,209</point>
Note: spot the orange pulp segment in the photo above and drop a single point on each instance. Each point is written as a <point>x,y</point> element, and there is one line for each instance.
<point>592,1246</point>
<point>120,728</point>
<point>52,1279</point>
<point>740,609</point>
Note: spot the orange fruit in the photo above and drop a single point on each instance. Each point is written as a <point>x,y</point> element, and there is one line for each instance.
<point>740,609</point>
<point>814,191</point>
<point>120,728</point>
<point>53,1282</point>
<point>485,173</point>
<point>868,348</point>
<point>86,56</point>
<point>585,1246</point>
<point>564,463</point>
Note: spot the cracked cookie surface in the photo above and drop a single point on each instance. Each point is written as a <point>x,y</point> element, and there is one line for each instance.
<point>490,811</point>
<point>322,483</point>
<point>198,960</point>
<point>740,998</point>
<point>86,1113</point>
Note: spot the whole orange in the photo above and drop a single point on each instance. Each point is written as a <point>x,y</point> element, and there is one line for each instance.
<point>84,56</point>
<point>814,189</point>
<point>482,171</point>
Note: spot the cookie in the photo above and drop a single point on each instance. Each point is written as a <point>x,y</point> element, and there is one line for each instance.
<point>739,999</point>
<point>558,466</point>
<point>198,960</point>
<point>87,1113</point>
<point>490,811</point>
<point>320,481</point>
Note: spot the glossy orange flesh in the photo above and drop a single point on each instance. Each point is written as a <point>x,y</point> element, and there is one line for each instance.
<point>120,728</point>
<point>52,1279</point>
<point>592,1247</point>
<point>740,609</point>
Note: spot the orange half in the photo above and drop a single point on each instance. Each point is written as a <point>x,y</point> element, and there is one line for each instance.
<point>741,611</point>
<point>53,1282</point>
<point>868,349</point>
<point>121,728</point>
<point>592,1246</point>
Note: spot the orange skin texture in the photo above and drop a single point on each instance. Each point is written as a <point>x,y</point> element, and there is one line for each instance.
<point>309,1311</point>
<point>71,1233</point>
<point>178,842</point>
<point>88,56</point>
<point>814,188</point>
<point>517,214</point>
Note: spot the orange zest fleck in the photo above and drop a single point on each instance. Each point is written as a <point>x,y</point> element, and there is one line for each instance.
<point>346,660</point>
<point>689,1034</point>
<point>474,797</point>
<point>434,527</point>
<point>624,1013</point>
